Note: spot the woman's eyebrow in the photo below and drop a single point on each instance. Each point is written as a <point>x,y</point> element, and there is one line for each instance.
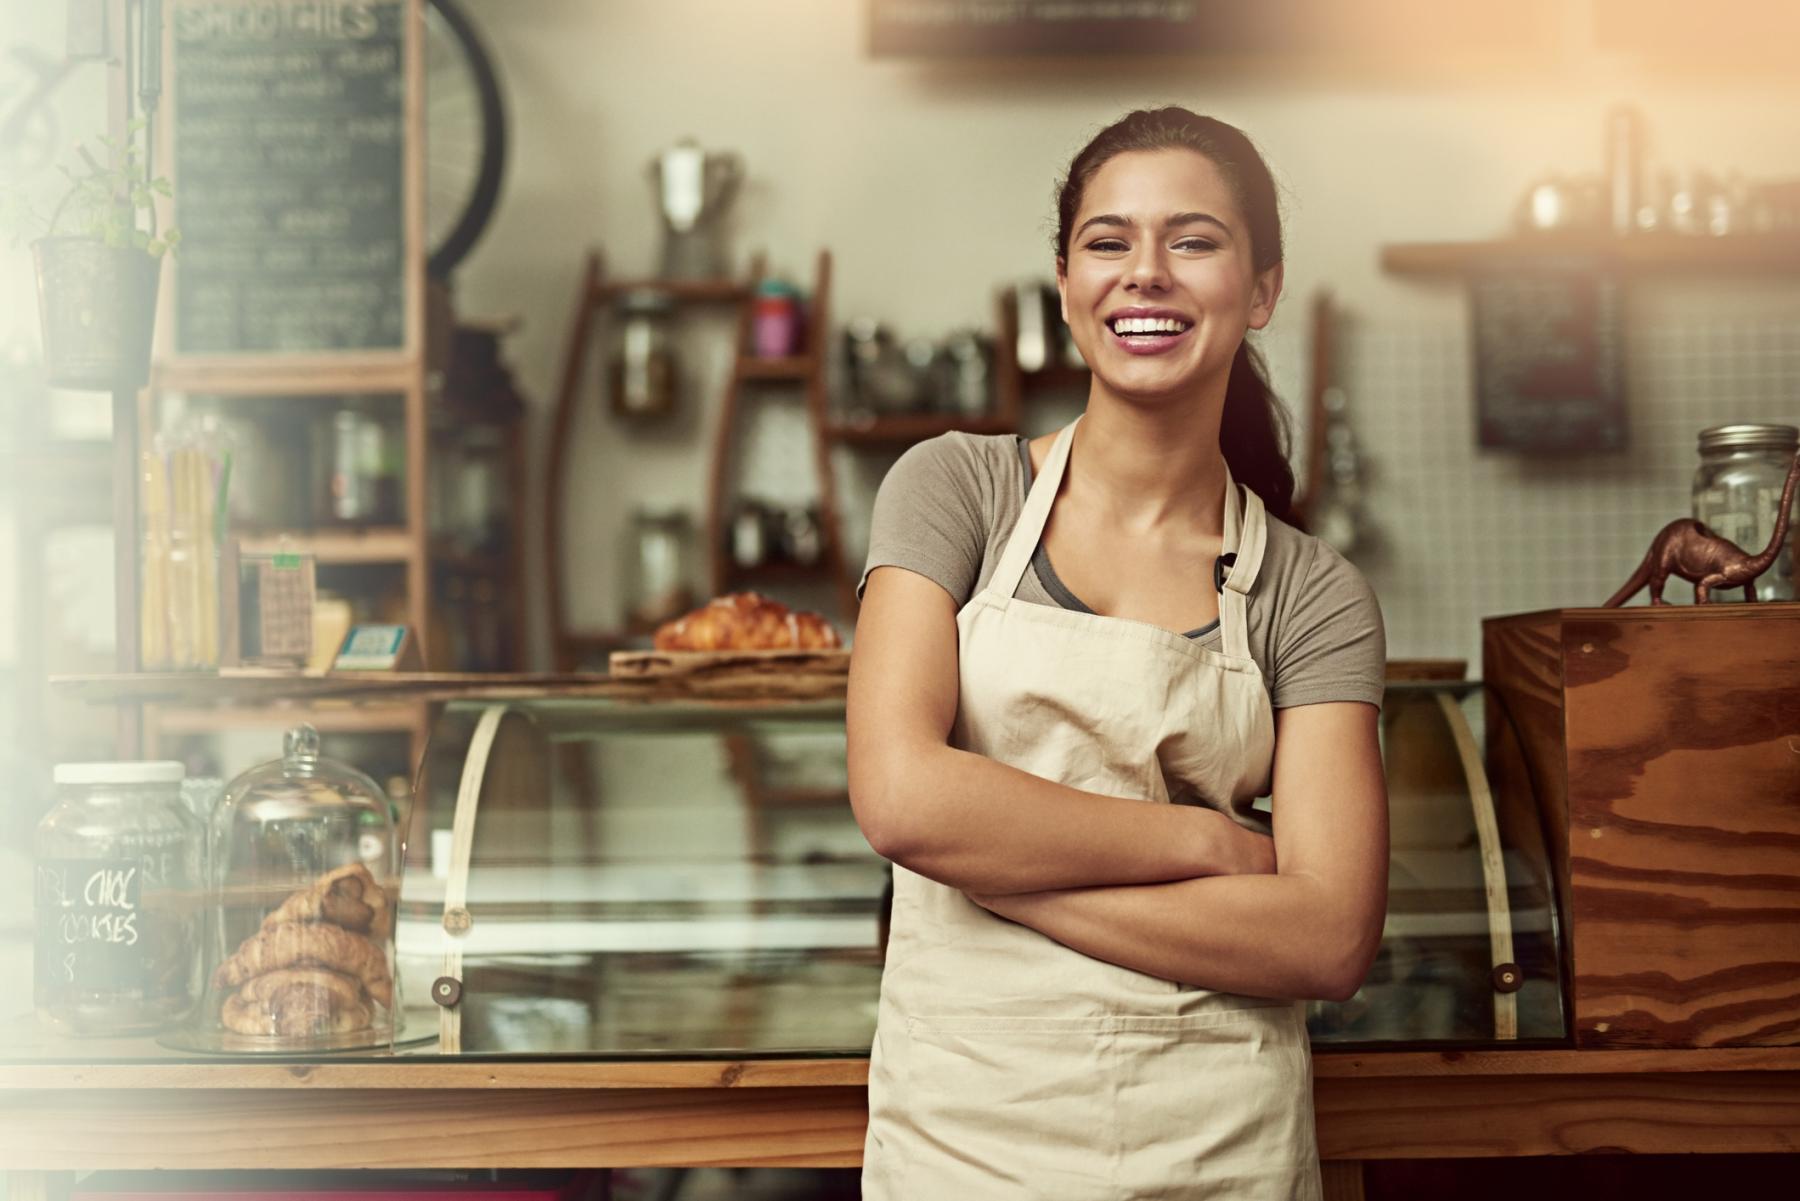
<point>1195,218</point>
<point>1174,219</point>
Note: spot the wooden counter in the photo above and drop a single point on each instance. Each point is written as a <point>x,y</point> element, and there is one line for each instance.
<point>795,1113</point>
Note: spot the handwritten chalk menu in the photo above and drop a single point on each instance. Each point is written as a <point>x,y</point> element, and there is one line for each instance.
<point>1548,370</point>
<point>91,936</point>
<point>289,144</point>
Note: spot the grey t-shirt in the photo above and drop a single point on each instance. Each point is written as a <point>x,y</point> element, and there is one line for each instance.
<point>948,506</point>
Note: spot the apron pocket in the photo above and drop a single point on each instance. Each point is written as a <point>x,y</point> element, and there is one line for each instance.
<point>1216,1104</point>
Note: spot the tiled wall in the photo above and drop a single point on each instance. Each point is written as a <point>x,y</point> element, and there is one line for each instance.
<point>1466,533</point>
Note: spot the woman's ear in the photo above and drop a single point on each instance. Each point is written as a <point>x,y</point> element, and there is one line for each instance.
<point>1062,286</point>
<point>1263,297</point>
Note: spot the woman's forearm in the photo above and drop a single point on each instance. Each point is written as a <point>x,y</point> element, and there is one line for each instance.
<point>1260,935</point>
<point>977,824</point>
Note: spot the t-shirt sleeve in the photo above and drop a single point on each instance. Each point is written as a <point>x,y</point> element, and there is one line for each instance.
<point>1331,645</point>
<point>928,516</point>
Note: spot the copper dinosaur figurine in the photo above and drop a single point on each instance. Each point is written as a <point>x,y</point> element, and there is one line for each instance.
<point>1690,550</point>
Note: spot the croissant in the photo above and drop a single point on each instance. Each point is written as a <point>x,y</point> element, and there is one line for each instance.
<point>297,1002</point>
<point>746,621</point>
<point>348,897</point>
<point>292,944</point>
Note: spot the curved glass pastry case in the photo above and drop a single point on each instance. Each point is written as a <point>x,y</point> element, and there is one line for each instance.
<point>596,877</point>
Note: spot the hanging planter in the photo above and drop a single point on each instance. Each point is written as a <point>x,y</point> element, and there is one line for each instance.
<point>98,265</point>
<point>97,304</point>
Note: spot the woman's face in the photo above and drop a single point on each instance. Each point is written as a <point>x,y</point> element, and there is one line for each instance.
<point>1158,287</point>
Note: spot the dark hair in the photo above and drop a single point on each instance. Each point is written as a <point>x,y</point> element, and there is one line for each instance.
<point>1253,432</point>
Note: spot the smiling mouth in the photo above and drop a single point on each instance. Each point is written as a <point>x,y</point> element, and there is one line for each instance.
<point>1148,329</point>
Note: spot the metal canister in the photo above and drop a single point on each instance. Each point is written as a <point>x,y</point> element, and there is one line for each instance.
<point>1737,493</point>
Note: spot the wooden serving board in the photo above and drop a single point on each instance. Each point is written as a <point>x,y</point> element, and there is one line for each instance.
<point>768,673</point>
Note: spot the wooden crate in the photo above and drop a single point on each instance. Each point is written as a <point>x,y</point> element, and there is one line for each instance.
<point>1659,748</point>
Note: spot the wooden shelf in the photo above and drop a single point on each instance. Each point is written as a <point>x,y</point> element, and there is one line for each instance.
<point>339,547</point>
<point>778,569</point>
<point>692,291</point>
<point>200,689</point>
<point>1734,254</point>
<point>795,367</point>
<point>277,376</point>
<point>912,427</point>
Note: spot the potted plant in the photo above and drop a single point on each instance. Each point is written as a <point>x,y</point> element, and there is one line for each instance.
<point>98,264</point>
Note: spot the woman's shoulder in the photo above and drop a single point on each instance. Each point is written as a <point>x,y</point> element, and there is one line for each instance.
<point>972,467</point>
<point>1305,570</point>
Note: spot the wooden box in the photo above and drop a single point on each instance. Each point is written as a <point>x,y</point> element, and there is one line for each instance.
<point>1660,751</point>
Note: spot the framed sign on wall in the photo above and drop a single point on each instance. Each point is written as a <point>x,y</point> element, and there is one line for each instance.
<point>293,133</point>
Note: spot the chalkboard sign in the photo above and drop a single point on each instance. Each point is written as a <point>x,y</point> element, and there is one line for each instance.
<point>91,936</point>
<point>289,132</point>
<point>1548,369</point>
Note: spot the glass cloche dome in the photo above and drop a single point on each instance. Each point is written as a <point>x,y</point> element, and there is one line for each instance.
<point>304,872</point>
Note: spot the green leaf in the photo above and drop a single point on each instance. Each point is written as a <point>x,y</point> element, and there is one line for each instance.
<point>161,187</point>
<point>140,239</point>
<point>155,248</point>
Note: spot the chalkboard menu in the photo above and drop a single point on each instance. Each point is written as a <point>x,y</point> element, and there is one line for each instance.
<point>1548,370</point>
<point>289,155</point>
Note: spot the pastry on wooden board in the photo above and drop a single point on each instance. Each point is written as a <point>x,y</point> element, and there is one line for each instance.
<point>747,621</point>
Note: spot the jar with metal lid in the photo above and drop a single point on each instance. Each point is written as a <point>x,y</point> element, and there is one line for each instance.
<point>117,897</point>
<point>1737,493</point>
<point>641,374</point>
<point>299,940</point>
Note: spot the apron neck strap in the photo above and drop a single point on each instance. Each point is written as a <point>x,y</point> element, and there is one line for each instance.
<point>1246,538</point>
<point>1034,517</point>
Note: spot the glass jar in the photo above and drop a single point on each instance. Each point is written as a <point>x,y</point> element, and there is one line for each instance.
<point>775,327</point>
<point>1737,493</point>
<point>117,895</point>
<point>659,567</point>
<point>641,376</point>
<point>299,942</point>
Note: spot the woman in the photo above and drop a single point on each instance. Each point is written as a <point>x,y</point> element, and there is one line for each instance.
<point>1087,995</point>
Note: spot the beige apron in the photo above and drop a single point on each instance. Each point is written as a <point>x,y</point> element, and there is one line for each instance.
<point>1006,1065</point>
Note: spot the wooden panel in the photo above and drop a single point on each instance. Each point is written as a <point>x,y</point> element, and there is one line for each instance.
<point>812,1127</point>
<point>1684,827</point>
<point>1663,745</point>
<point>1722,1113</point>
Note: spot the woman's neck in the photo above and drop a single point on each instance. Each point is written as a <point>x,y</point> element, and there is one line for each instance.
<point>1149,468</point>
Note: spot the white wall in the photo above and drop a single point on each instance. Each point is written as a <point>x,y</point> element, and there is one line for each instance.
<point>931,182</point>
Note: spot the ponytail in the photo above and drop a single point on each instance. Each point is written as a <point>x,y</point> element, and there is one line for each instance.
<point>1254,433</point>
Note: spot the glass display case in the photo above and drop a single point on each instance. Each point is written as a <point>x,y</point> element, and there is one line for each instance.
<point>595,877</point>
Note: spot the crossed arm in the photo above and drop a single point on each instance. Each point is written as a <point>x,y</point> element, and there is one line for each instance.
<point>1177,892</point>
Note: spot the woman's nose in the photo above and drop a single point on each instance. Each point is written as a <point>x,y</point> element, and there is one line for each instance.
<point>1149,269</point>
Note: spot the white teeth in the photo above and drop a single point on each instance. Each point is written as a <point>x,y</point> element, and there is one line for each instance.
<point>1148,325</point>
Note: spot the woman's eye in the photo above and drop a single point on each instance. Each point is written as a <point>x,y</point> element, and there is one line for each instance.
<point>1196,244</point>
<point>1106,245</point>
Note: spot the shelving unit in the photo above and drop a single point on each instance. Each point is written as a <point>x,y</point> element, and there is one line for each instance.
<point>243,379</point>
<point>806,369</point>
<point>571,648</point>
